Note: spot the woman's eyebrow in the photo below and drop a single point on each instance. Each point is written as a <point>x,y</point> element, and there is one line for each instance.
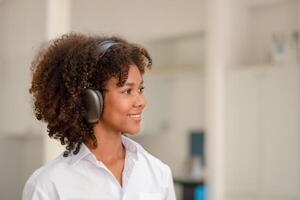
<point>132,84</point>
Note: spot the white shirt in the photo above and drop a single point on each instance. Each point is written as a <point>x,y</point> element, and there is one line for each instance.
<point>82,176</point>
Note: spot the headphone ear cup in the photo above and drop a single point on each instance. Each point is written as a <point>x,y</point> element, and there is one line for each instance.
<point>93,103</point>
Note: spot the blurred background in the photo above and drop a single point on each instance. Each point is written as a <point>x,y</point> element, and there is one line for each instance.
<point>223,95</point>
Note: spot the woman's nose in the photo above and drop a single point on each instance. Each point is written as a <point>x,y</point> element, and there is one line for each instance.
<point>140,101</point>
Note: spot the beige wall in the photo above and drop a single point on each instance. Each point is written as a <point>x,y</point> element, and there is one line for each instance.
<point>22,30</point>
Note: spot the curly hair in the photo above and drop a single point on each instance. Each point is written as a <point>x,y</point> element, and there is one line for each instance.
<point>70,64</point>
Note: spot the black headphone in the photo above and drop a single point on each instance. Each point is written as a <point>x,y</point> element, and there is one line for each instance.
<point>93,99</point>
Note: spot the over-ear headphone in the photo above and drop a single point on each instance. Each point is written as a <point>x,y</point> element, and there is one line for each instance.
<point>93,99</point>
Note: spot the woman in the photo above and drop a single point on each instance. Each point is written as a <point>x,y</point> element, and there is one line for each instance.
<point>89,91</point>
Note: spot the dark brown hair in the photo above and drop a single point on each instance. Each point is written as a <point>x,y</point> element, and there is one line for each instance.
<point>70,64</point>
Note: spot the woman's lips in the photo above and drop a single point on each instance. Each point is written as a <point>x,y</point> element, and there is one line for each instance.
<point>135,116</point>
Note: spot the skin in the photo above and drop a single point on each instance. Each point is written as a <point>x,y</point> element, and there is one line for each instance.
<point>119,104</point>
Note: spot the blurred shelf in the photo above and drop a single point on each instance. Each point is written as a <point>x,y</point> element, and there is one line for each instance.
<point>189,185</point>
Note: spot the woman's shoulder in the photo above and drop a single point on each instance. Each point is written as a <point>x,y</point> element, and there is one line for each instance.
<point>51,170</point>
<point>153,167</point>
<point>40,184</point>
<point>151,160</point>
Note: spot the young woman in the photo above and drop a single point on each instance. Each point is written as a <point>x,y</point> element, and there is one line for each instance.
<point>89,91</point>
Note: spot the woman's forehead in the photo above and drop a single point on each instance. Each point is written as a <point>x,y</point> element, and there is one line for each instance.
<point>134,78</point>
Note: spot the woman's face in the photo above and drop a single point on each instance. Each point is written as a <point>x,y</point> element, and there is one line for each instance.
<point>123,106</point>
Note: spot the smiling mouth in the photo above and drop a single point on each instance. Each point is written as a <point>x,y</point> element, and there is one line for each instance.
<point>135,116</point>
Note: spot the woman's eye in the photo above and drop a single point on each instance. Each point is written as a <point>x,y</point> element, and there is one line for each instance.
<point>128,91</point>
<point>142,89</point>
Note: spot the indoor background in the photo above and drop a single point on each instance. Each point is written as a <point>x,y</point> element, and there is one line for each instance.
<point>225,70</point>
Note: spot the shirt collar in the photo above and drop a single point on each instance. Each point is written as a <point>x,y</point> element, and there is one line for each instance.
<point>131,147</point>
<point>83,152</point>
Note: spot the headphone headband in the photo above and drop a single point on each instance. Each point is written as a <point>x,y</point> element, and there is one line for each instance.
<point>105,45</point>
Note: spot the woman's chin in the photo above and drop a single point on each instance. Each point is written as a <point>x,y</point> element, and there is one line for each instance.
<point>133,132</point>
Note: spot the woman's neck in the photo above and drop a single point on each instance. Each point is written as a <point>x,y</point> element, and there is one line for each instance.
<point>109,145</point>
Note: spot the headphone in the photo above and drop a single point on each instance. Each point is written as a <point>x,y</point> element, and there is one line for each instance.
<point>93,99</point>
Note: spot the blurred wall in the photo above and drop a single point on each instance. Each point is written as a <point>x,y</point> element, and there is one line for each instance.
<point>22,25</point>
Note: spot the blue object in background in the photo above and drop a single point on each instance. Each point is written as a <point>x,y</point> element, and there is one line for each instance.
<point>199,193</point>
<point>197,143</point>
